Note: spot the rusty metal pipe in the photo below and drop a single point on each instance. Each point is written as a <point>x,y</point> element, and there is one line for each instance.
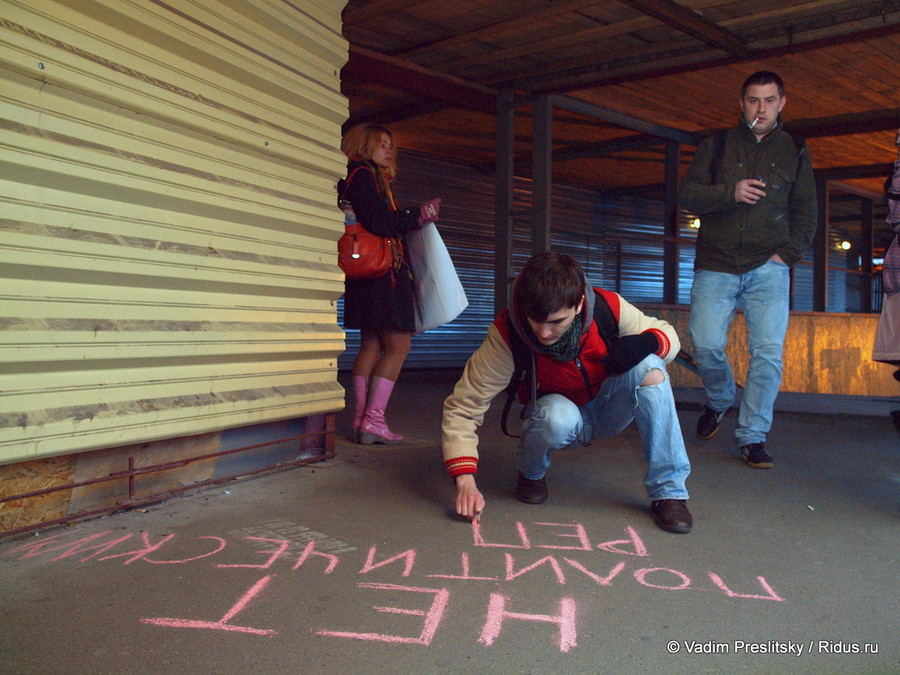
<point>132,472</point>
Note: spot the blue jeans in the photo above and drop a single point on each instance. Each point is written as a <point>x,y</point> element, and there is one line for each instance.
<point>763,293</point>
<point>554,422</point>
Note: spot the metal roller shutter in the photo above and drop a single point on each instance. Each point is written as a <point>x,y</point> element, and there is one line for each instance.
<point>168,227</point>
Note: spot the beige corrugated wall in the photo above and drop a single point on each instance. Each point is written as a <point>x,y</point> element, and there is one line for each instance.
<point>167,218</point>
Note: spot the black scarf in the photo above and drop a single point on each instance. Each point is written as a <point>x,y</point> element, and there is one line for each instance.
<point>566,348</point>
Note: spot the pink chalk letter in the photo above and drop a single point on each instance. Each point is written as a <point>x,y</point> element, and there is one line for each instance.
<point>333,560</point>
<point>222,624</point>
<point>465,572</point>
<point>633,539</point>
<point>479,540</point>
<point>273,555</point>
<point>770,594</point>
<point>497,612</point>
<point>580,534</point>
<point>222,544</point>
<point>641,575</point>
<point>370,563</point>
<point>32,549</point>
<point>141,552</point>
<point>432,617</point>
<point>550,560</point>
<point>603,581</point>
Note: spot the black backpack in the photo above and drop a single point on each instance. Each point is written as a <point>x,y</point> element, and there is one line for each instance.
<point>523,357</point>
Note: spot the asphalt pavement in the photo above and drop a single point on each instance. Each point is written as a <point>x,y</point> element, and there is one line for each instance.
<point>358,564</point>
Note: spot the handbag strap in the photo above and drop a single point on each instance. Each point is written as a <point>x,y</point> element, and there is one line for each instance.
<point>390,195</point>
<point>350,178</point>
<point>395,243</point>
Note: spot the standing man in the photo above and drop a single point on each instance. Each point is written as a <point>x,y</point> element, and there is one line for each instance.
<point>754,191</point>
<point>587,387</point>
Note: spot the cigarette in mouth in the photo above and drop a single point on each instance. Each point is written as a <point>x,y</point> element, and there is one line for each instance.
<point>753,123</point>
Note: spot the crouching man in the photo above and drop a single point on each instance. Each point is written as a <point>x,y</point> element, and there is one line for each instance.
<point>595,371</point>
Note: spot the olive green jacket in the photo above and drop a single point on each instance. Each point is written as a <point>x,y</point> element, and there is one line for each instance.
<point>736,237</point>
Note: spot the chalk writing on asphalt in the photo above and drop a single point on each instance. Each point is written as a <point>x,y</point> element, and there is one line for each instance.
<point>421,590</point>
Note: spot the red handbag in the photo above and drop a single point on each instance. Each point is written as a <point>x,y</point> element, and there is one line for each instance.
<point>361,254</point>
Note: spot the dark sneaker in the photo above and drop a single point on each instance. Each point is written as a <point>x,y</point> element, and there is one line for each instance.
<point>672,515</point>
<point>531,491</point>
<point>756,456</point>
<point>709,422</point>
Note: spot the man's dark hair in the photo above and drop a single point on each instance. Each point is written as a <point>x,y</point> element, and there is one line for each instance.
<point>548,283</point>
<point>762,77</point>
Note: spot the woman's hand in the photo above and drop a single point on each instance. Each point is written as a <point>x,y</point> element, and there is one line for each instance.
<point>428,212</point>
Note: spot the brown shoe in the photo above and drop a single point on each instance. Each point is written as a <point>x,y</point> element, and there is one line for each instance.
<point>531,491</point>
<point>672,515</point>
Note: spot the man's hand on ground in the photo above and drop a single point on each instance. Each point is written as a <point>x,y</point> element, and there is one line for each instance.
<point>469,501</point>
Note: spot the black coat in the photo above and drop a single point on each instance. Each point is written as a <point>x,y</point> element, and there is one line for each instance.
<point>386,302</point>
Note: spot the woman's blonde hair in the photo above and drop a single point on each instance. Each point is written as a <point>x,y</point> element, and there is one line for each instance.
<point>363,140</point>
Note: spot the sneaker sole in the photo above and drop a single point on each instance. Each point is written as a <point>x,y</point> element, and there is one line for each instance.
<point>760,465</point>
<point>703,438</point>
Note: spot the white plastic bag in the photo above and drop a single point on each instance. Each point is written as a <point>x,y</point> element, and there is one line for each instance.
<point>439,295</point>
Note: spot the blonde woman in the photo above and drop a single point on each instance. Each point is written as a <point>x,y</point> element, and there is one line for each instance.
<point>381,309</point>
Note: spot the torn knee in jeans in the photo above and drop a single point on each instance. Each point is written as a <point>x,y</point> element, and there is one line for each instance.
<point>653,376</point>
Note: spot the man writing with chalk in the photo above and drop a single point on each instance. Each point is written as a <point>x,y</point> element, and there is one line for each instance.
<point>589,385</point>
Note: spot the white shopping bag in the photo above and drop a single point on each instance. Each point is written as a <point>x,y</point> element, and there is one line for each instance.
<point>439,295</point>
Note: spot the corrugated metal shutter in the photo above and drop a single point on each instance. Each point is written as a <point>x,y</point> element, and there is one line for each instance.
<point>168,227</point>
<point>467,228</point>
<point>618,239</point>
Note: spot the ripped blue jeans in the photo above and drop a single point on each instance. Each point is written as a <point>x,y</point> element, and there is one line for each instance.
<point>554,422</point>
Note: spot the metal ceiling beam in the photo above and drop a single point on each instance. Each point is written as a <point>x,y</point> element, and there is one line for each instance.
<point>601,75</point>
<point>366,65</point>
<point>394,114</point>
<point>848,172</point>
<point>595,150</point>
<point>622,120</point>
<point>376,8</point>
<point>849,123</point>
<point>688,21</point>
<point>504,199</point>
<point>524,18</point>
<point>884,119</point>
<point>542,175</point>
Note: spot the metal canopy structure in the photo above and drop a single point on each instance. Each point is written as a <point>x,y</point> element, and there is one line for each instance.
<point>612,95</point>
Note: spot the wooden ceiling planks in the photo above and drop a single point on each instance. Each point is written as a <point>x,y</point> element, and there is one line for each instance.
<point>678,64</point>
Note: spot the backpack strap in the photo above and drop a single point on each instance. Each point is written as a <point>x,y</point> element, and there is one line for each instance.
<point>605,320</point>
<point>523,368</point>
<point>718,149</point>
<point>523,358</point>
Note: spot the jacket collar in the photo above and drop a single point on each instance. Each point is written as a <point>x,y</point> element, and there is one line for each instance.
<point>744,126</point>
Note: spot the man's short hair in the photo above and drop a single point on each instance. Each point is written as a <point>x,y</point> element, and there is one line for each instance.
<point>763,77</point>
<point>548,283</point>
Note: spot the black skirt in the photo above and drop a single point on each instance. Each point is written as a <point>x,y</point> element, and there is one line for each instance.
<point>386,302</point>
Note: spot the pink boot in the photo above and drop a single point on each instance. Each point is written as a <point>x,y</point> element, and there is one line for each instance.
<point>374,428</point>
<point>361,395</point>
